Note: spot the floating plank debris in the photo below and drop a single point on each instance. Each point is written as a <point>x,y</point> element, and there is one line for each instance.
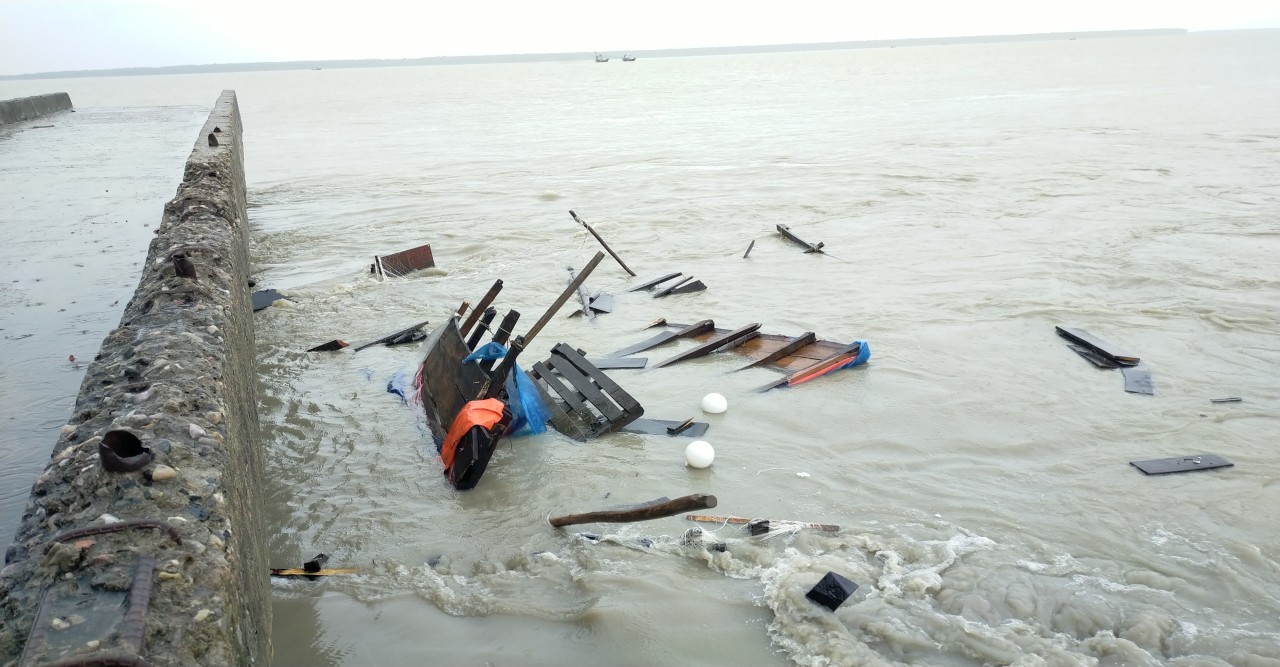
<point>1104,349</point>
<point>1228,399</point>
<point>1181,464</point>
<point>654,509</point>
<point>404,262</point>
<point>725,341</point>
<point>687,428</point>
<point>703,518</point>
<point>1137,380</point>
<point>655,282</point>
<point>331,346</point>
<point>585,403</point>
<point>667,336</point>
<point>605,245</point>
<point>846,357</point>
<point>264,298</point>
<point>790,236</point>
<point>411,334</point>
<point>749,247</point>
<point>615,363</point>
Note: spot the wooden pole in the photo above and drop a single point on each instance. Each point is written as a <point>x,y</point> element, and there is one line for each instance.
<point>643,512</point>
<point>606,245</point>
<point>703,518</point>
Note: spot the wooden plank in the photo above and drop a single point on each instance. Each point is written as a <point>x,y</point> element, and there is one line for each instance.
<point>406,261</point>
<point>712,345</point>
<point>1084,338</point>
<point>485,321</point>
<point>569,394</point>
<point>642,512</point>
<point>501,336</point>
<point>403,335</point>
<point>624,400</point>
<point>615,363</point>
<point>690,330</point>
<point>606,245</point>
<point>1181,464</point>
<point>656,281</point>
<point>749,247</point>
<point>737,520</point>
<point>668,290</point>
<point>687,288</point>
<point>646,426</point>
<point>585,386</point>
<point>796,343</point>
<point>810,247</point>
<point>816,370</point>
<point>483,305</point>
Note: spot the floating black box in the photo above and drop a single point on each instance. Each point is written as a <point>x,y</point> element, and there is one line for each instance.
<point>832,591</point>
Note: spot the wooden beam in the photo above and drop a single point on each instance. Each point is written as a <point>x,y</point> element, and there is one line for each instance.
<point>735,337</point>
<point>480,307</point>
<point>810,247</point>
<point>642,512</point>
<point>696,329</point>
<point>790,348</point>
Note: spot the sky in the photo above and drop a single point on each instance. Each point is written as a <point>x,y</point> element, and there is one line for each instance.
<point>54,35</point>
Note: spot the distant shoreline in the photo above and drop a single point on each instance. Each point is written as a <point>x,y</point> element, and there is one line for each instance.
<point>588,56</point>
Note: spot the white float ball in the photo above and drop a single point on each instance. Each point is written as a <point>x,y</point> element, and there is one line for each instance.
<point>699,454</point>
<point>714,404</point>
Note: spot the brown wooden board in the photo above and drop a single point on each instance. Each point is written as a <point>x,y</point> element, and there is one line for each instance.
<point>646,426</point>
<point>803,340</point>
<point>447,384</point>
<point>671,288</point>
<point>766,345</point>
<point>406,262</point>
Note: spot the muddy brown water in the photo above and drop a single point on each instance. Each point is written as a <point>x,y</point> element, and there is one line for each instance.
<point>970,197</point>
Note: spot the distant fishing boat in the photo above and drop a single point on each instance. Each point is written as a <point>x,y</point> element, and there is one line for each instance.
<point>602,58</point>
<point>628,58</point>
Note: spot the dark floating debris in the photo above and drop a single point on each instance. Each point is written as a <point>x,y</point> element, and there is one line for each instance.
<point>1181,464</point>
<point>685,331</point>
<point>758,527</point>
<point>655,282</point>
<point>1137,380</point>
<point>831,591</point>
<point>605,245</point>
<point>264,298</point>
<point>1104,355</point>
<point>311,569</point>
<point>774,523</point>
<point>688,285</point>
<point>749,247</point>
<point>404,336</point>
<point>809,247</point>
<point>404,262</point>
<point>584,402</point>
<point>121,451</point>
<point>725,341</point>
<point>687,428</point>
<point>1102,348</point>
<point>331,346</point>
<point>1228,399</point>
<point>654,509</point>
<point>614,363</point>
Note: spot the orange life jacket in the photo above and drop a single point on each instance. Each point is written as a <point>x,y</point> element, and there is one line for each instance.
<point>485,415</point>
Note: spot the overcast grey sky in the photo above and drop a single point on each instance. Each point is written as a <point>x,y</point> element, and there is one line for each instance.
<point>50,35</point>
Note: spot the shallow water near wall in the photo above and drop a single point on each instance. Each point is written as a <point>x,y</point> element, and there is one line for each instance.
<point>970,197</point>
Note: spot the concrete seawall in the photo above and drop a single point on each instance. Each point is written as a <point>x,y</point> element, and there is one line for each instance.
<point>165,564</point>
<point>26,108</point>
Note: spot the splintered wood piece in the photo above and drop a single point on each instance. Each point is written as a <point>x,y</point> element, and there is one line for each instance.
<point>642,512</point>
<point>696,329</point>
<point>656,281</point>
<point>1084,338</point>
<point>671,288</point>
<point>819,369</point>
<point>606,245</point>
<point>462,310</point>
<point>481,306</point>
<point>687,288</point>
<point>809,247</point>
<point>735,337</point>
<point>737,520</point>
<point>790,348</point>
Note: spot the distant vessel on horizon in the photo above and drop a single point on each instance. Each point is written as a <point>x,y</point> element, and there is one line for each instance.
<point>628,58</point>
<point>602,58</point>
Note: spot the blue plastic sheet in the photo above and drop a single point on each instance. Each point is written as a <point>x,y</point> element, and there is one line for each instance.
<point>529,413</point>
<point>399,385</point>
<point>863,355</point>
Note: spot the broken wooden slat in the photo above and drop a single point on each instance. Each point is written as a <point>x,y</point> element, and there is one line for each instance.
<point>810,247</point>
<point>331,346</point>
<point>1137,380</point>
<point>749,247</point>
<point>695,329</point>
<point>642,512</point>
<point>655,282</point>
<point>703,518</point>
<point>1181,464</point>
<point>727,340</point>
<point>482,329</point>
<point>585,386</point>
<point>501,336</point>
<point>482,306</point>
<point>668,290</point>
<point>406,261</point>
<point>819,369</point>
<point>790,348</point>
<point>1102,347</point>
<point>407,335</point>
<point>299,572</point>
<point>615,363</point>
<point>606,245</point>
<point>544,373</point>
<point>606,383</point>
<point>687,288</point>
<point>1092,357</point>
<point>668,427</point>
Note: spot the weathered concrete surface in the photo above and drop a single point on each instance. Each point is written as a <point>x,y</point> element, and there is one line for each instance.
<point>26,108</point>
<point>179,373</point>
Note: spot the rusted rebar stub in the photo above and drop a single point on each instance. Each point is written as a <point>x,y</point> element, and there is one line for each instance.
<point>122,451</point>
<point>183,266</point>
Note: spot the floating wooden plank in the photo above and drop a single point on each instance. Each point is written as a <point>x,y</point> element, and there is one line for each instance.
<point>669,289</point>
<point>735,520</point>
<point>410,334</point>
<point>331,346</point>
<point>819,369</point>
<point>603,303</point>
<point>749,247</point>
<point>1093,357</point>
<point>695,329</point>
<point>809,247</point>
<point>686,288</point>
<point>804,339</point>
<point>1181,464</point>
<point>585,386</point>
<point>1137,380</point>
<point>655,282</point>
<point>667,427</point>
<point>642,512</point>
<point>482,306</point>
<point>736,336</point>
<point>1084,338</point>
<point>405,262</point>
<point>615,363</point>
<point>1227,399</point>
<point>606,245</point>
<point>299,572</point>
<point>593,404</point>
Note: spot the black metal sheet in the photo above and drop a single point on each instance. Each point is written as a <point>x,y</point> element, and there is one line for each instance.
<point>1181,464</point>
<point>264,298</point>
<point>1093,357</point>
<point>655,281</point>
<point>1081,337</point>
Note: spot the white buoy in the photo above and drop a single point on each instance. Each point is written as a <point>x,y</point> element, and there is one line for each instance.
<point>699,454</point>
<point>714,404</point>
